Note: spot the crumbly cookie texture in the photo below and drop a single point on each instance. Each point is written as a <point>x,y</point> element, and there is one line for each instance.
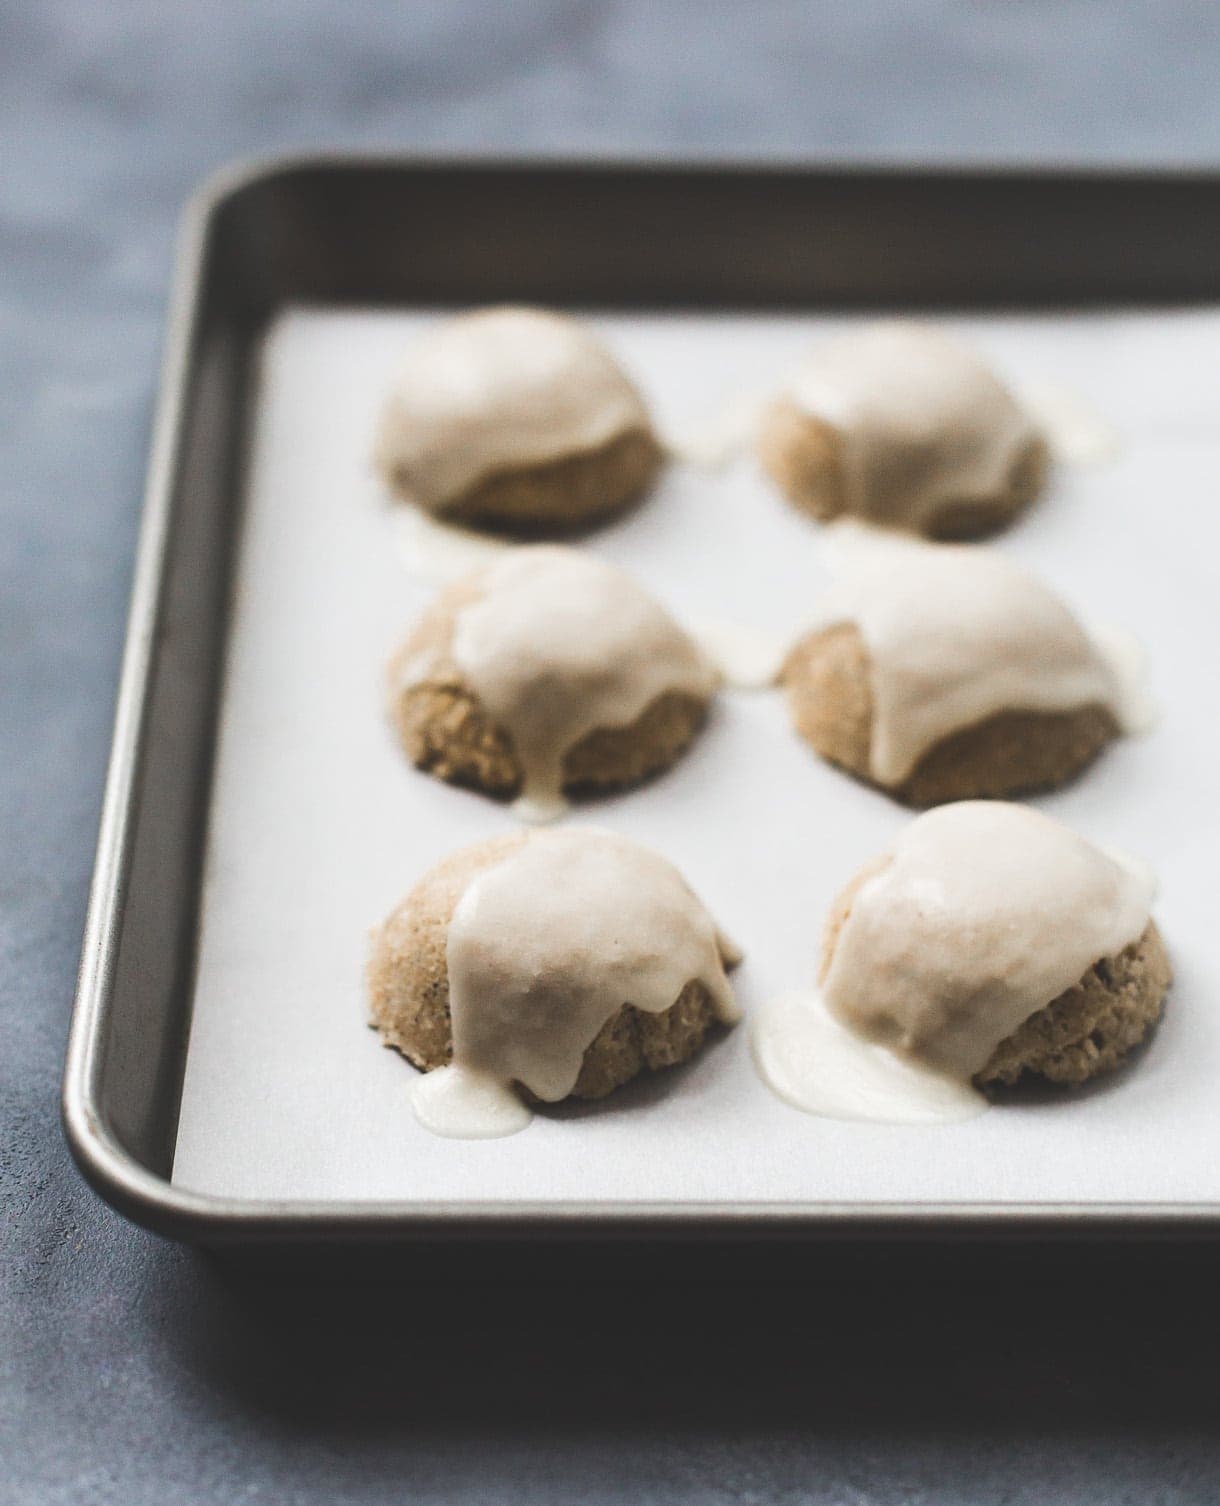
<point>803,455</point>
<point>408,988</point>
<point>445,731</point>
<point>556,497</point>
<point>1085,1032</point>
<point>827,681</point>
<point>1089,1029</point>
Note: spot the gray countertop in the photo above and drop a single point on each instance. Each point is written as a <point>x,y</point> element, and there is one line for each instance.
<point>134,1371</point>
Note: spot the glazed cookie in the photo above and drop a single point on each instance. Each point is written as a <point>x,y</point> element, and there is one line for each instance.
<point>1039,955</point>
<point>548,673</point>
<point>945,672</point>
<point>560,962</point>
<point>516,418</point>
<point>989,944</point>
<point>901,426</point>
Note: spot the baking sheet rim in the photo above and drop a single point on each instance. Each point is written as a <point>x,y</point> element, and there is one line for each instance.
<point>150,1199</point>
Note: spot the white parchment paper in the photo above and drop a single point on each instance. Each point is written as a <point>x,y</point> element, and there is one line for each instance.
<point>318,824</point>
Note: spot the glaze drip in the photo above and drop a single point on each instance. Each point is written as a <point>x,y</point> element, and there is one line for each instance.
<point>557,644</point>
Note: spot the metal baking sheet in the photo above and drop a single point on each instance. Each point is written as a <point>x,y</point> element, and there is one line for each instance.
<point>244,854</point>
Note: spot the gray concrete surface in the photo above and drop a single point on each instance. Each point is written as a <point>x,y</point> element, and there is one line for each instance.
<point>133,1371</point>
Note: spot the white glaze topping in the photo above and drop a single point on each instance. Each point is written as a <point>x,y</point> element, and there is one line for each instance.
<point>815,1063</point>
<point>956,633</point>
<point>981,915</point>
<point>499,389</point>
<point>558,644</point>
<point>714,439</point>
<point>543,948</point>
<point>922,421</point>
<point>459,1104</point>
<point>438,552</point>
<point>746,657</point>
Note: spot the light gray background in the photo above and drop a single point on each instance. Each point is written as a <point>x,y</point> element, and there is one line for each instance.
<point>137,1372</point>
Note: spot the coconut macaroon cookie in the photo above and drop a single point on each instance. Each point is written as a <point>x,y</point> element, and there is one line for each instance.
<point>549,673</point>
<point>987,945</point>
<point>516,418</point>
<point>900,425</point>
<point>561,963</point>
<point>946,672</point>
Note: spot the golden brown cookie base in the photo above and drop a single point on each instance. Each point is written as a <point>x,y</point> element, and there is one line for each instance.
<point>634,1041</point>
<point>1089,1029</point>
<point>441,726</point>
<point>613,757</point>
<point>445,731</point>
<point>827,680</point>
<point>841,909</point>
<point>556,497</point>
<point>408,969</point>
<point>803,456</point>
<point>408,988</point>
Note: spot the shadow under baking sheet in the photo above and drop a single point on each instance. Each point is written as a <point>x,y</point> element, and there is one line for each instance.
<point>948,1354</point>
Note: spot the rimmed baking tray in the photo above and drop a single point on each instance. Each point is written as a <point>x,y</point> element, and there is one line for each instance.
<point>357,234</point>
